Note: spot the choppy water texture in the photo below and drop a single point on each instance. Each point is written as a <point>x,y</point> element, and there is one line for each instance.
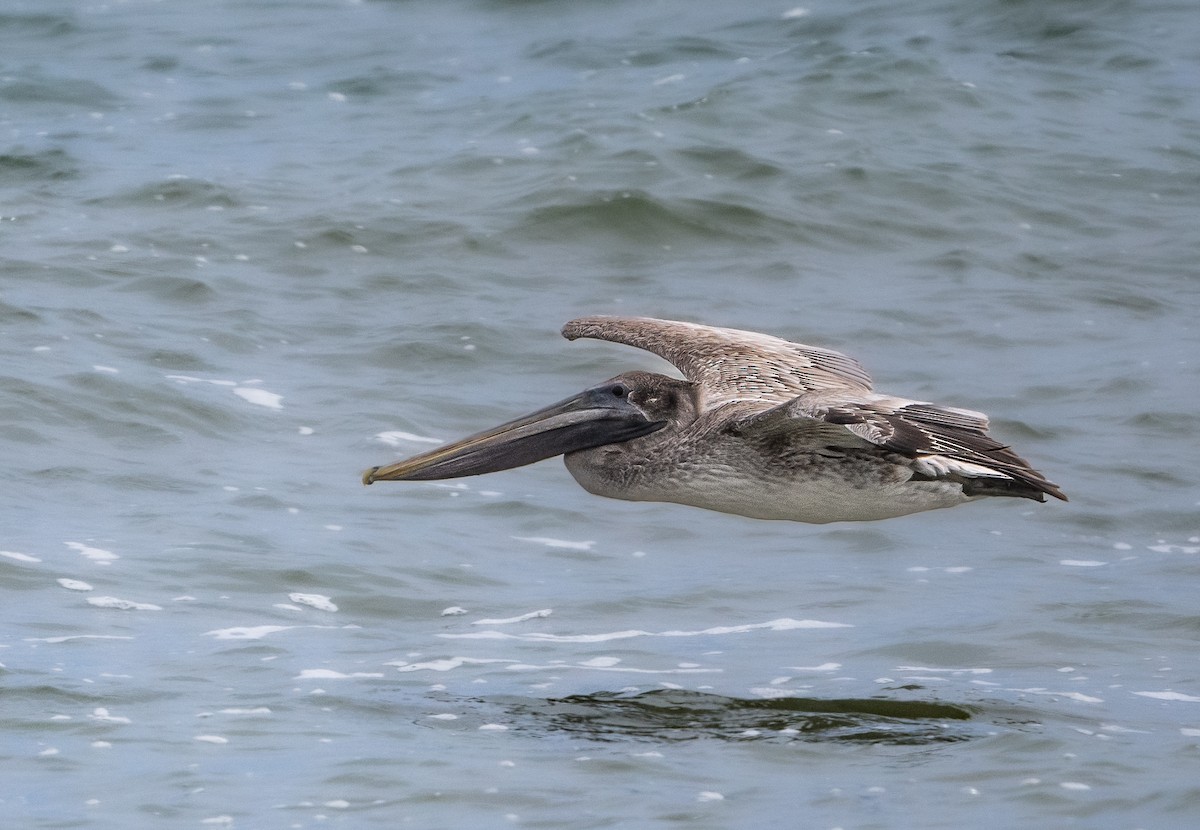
<point>249,249</point>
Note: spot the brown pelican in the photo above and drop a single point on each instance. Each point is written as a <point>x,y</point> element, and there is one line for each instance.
<point>758,427</point>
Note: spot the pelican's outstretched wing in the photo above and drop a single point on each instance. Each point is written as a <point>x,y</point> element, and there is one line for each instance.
<point>945,442</point>
<point>729,364</point>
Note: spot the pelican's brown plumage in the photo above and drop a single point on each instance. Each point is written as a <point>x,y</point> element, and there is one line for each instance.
<point>758,426</point>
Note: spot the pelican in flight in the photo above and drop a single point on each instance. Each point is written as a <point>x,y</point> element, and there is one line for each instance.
<point>758,426</point>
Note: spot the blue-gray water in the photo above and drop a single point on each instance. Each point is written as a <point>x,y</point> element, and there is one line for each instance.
<point>249,249</point>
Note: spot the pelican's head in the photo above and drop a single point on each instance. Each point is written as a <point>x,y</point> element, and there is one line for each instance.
<point>626,407</point>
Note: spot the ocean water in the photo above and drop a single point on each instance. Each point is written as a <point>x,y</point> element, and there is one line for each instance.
<point>248,249</point>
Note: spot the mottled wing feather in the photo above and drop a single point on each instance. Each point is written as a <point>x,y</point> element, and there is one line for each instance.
<point>953,441</point>
<point>730,364</point>
<point>944,441</point>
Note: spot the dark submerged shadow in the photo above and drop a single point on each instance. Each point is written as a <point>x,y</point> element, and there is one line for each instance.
<point>678,715</point>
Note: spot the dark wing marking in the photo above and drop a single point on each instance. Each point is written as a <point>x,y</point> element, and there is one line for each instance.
<point>945,442</point>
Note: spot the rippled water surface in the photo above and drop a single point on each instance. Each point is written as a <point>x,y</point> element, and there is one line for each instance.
<point>249,249</point>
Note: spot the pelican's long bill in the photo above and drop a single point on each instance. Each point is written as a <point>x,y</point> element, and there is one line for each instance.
<point>601,415</point>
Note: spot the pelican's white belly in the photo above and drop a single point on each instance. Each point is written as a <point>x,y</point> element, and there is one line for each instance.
<point>815,494</point>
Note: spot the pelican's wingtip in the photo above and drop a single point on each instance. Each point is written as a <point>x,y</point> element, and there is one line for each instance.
<point>580,326</point>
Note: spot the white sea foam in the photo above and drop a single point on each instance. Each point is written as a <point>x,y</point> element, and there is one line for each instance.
<point>190,379</point>
<point>122,604</point>
<point>1180,696</point>
<point>783,624</point>
<point>551,542</point>
<point>1163,547</point>
<point>330,674</point>
<point>772,692</point>
<point>445,664</point>
<point>245,632</point>
<point>18,557</point>
<point>74,584</point>
<point>318,601</point>
<point>259,397</point>
<point>929,670</point>
<point>102,715</point>
<point>602,662</point>
<point>608,667</point>
<point>532,615</point>
<point>68,638</point>
<point>95,554</point>
<point>394,438</point>
<point>1076,696</point>
<point>247,390</point>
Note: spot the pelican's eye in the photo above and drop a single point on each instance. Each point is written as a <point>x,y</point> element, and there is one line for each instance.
<point>619,391</point>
